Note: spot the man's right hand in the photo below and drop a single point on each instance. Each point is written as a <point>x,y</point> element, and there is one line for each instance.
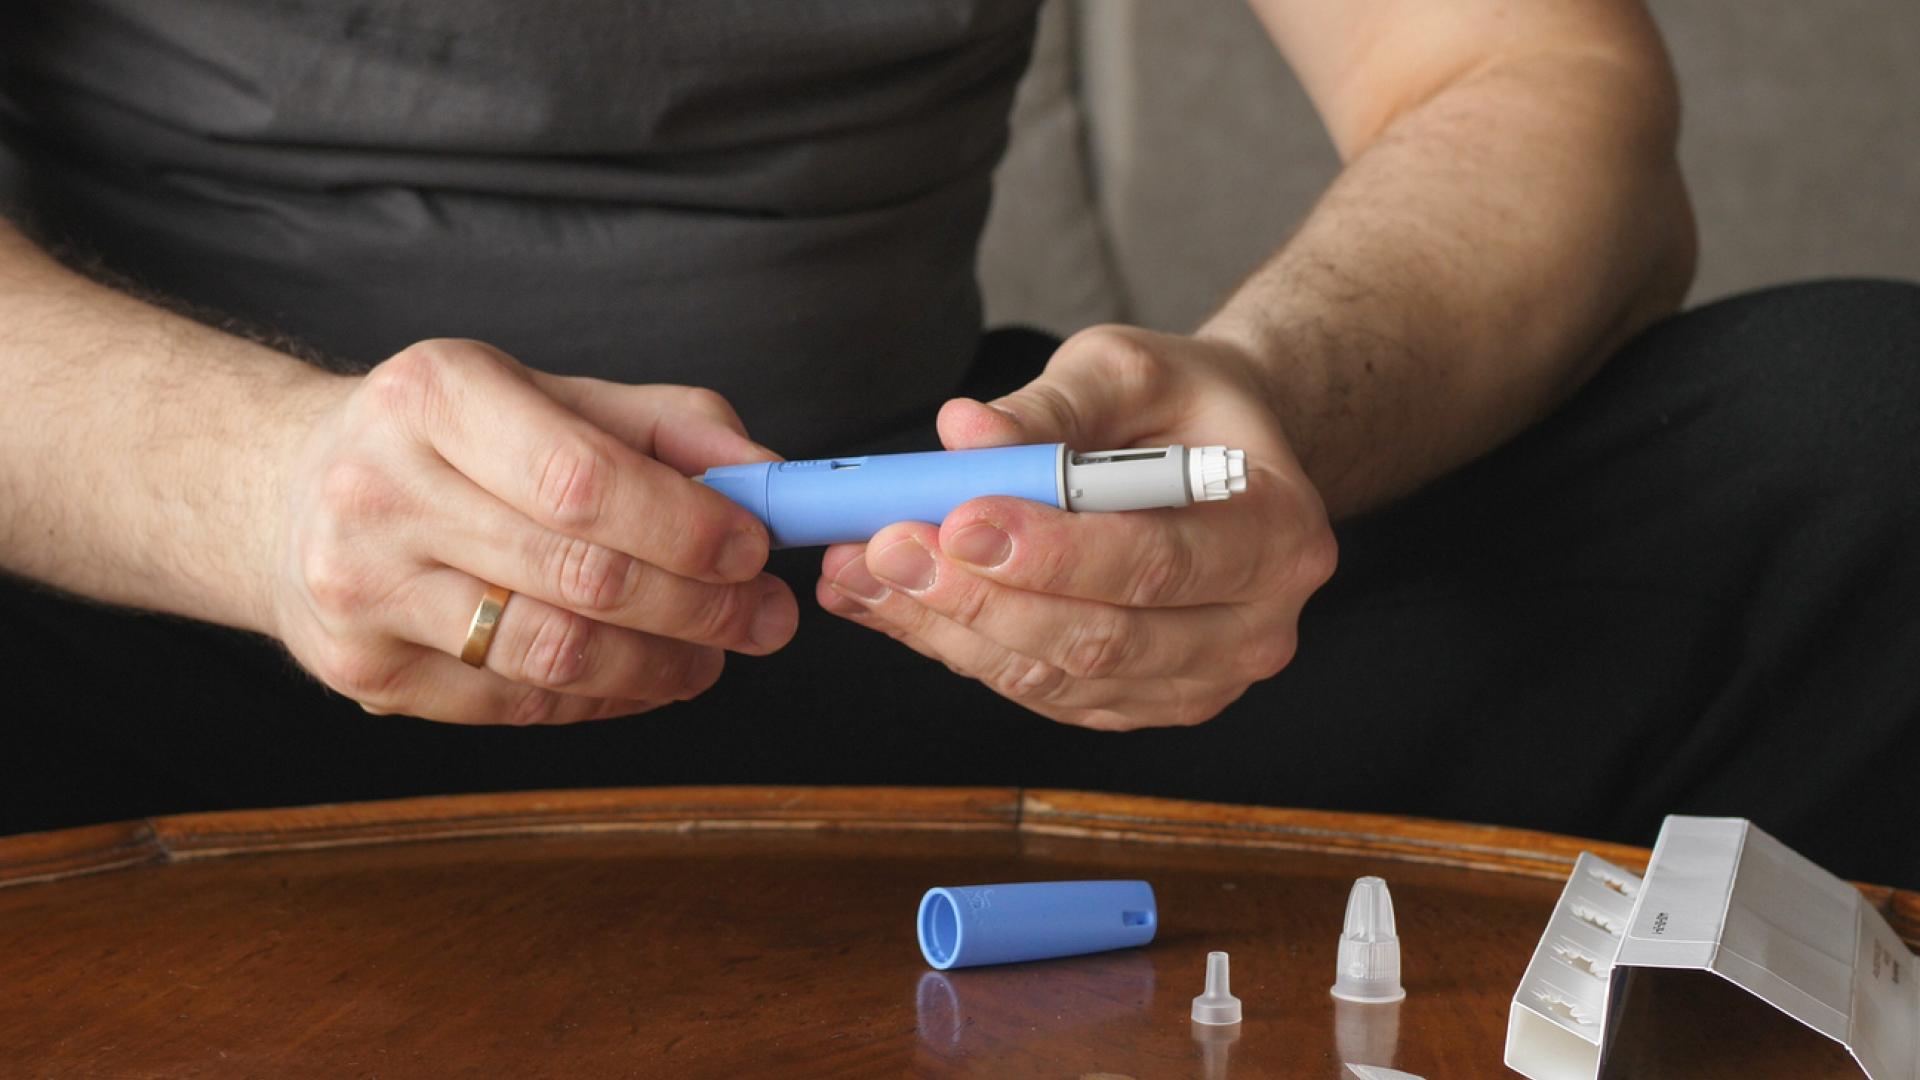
<point>451,466</point>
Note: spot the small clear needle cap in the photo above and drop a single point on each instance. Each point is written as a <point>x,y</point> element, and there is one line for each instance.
<point>1369,947</point>
<point>1217,1005</point>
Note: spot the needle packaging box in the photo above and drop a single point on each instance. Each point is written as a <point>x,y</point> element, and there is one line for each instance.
<point>1719,896</point>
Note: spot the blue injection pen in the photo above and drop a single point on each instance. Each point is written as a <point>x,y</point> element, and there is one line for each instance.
<point>836,500</point>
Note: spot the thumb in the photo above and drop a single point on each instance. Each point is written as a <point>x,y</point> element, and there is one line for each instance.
<point>1103,389</point>
<point>967,424</point>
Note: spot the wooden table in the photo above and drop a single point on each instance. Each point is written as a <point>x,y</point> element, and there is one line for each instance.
<point>761,932</point>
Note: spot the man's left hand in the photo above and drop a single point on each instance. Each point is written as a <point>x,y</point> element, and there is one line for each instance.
<point>1107,620</point>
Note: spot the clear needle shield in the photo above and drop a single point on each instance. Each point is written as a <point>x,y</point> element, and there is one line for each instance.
<point>1369,969</point>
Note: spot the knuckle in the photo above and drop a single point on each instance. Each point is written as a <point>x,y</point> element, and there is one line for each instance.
<point>1105,719</point>
<point>967,602</point>
<point>1188,707</point>
<point>723,617</point>
<point>1099,646</point>
<point>901,622</point>
<point>1098,340</point>
<point>1272,654</point>
<point>558,650</point>
<point>590,576</point>
<point>707,671</point>
<point>695,544</point>
<point>573,483</point>
<point>360,673</point>
<point>353,491</point>
<point>1262,648</point>
<point>1051,566</point>
<point>532,706</point>
<point>1027,680</point>
<point>709,402</point>
<point>691,672</point>
<point>1318,559</point>
<point>1161,576</point>
<point>1052,402</point>
<point>1119,354</point>
<point>1191,712</point>
<point>337,582</point>
<point>406,382</point>
<point>437,357</point>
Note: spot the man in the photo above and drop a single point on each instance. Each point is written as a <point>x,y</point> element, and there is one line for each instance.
<point>1579,631</point>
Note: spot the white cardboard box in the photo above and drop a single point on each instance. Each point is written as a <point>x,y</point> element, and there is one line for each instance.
<point>1722,896</point>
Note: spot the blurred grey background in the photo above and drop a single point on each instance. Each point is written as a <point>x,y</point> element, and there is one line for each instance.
<point>1161,150</point>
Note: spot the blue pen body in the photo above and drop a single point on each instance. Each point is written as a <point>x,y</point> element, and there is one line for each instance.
<point>837,500</point>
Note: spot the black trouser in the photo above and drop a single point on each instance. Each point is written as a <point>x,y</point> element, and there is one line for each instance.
<point>1690,590</point>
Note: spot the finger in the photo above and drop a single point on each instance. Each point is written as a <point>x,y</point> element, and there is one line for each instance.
<point>537,644</point>
<point>493,425</point>
<point>690,428</point>
<point>1086,638</point>
<point>1104,388</point>
<point>433,686</point>
<point>1037,685</point>
<point>484,537</point>
<point>1100,704</point>
<point>1226,553</point>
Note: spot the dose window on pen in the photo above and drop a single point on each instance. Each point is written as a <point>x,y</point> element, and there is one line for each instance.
<point>1136,455</point>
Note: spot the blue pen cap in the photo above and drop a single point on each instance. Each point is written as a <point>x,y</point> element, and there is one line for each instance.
<point>971,925</point>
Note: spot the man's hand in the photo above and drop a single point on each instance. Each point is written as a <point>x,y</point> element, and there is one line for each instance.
<point>1116,620</point>
<point>451,466</point>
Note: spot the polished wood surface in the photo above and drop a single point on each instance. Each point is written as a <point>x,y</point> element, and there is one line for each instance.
<point>769,932</point>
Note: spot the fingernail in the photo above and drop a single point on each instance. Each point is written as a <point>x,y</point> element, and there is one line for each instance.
<point>981,545</point>
<point>854,580</point>
<point>741,557</point>
<point>774,622</point>
<point>903,563</point>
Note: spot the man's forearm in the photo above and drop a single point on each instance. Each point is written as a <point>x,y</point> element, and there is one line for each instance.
<point>1468,270</point>
<point>137,447</point>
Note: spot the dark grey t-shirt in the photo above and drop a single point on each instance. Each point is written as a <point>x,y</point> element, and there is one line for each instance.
<point>780,200</point>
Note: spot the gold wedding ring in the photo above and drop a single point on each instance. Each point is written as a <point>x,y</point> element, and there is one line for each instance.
<point>486,619</point>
